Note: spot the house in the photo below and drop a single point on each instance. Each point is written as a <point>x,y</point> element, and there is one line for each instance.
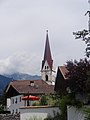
<point>17,89</point>
<point>61,80</point>
<point>62,85</point>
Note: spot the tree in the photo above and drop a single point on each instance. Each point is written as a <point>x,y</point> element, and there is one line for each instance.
<point>85,36</point>
<point>78,77</point>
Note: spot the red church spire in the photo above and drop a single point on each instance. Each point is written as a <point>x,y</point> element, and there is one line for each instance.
<point>47,53</point>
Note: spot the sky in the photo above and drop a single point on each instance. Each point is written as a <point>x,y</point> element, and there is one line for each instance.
<point>23,25</point>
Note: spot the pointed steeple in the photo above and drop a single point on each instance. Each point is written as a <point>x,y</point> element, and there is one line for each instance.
<point>47,53</point>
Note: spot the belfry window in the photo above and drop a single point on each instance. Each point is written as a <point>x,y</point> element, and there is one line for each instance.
<point>46,77</point>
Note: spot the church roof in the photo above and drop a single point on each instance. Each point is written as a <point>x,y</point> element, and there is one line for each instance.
<point>47,53</point>
<point>31,86</point>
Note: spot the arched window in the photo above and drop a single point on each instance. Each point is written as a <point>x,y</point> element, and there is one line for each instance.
<point>46,77</point>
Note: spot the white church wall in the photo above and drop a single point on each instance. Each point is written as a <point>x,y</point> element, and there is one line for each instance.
<point>46,71</point>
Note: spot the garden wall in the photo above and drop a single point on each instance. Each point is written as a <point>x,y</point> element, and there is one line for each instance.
<point>75,114</point>
<point>37,112</point>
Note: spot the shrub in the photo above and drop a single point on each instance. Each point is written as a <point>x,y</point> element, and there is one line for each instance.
<point>87,113</point>
<point>35,104</point>
<point>43,100</point>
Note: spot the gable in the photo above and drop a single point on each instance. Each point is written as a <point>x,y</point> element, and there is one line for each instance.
<point>12,92</point>
<point>61,80</point>
<point>46,66</point>
<point>63,71</point>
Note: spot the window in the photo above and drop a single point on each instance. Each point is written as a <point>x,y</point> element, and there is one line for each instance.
<point>46,77</point>
<point>20,99</point>
<point>12,111</point>
<point>16,101</point>
<point>45,67</point>
<point>12,101</point>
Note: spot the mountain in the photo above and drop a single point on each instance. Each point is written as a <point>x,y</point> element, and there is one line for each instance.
<point>23,76</point>
<point>4,81</point>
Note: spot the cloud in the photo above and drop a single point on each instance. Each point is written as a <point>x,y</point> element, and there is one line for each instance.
<point>19,62</point>
<point>22,28</point>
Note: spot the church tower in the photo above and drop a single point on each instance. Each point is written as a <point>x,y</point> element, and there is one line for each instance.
<point>47,63</point>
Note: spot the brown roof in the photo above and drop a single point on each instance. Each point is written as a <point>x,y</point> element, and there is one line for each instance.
<point>31,86</point>
<point>64,71</point>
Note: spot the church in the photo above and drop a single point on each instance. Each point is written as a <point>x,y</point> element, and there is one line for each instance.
<point>47,64</point>
<point>19,88</point>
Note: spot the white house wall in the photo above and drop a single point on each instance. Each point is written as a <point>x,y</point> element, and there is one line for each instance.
<point>14,107</point>
<point>8,103</point>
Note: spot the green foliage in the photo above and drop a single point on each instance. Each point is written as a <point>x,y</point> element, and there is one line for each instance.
<point>63,108</point>
<point>43,100</point>
<point>53,99</point>
<point>35,104</point>
<point>48,99</point>
<point>88,84</point>
<point>85,36</point>
<point>1,108</point>
<point>87,113</point>
<point>65,100</point>
<point>2,102</point>
<point>3,99</point>
<point>78,75</point>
